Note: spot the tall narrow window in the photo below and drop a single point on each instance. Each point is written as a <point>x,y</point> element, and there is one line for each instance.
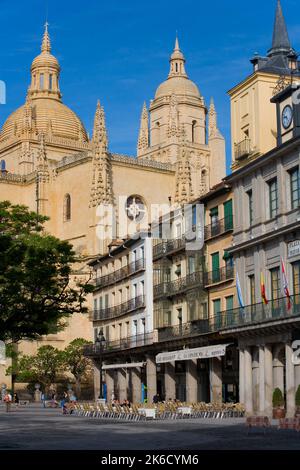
<point>3,166</point>
<point>42,81</point>
<point>273,198</point>
<point>228,216</point>
<point>217,312</point>
<point>250,206</point>
<point>193,131</point>
<point>295,188</point>
<point>229,303</point>
<point>275,287</point>
<point>252,289</point>
<point>50,81</point>
<point>296,280</point>
<point>215,261</point>
<point>67,207</point>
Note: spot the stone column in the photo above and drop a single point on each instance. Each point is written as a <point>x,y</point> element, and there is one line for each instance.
<point>268,380</point>
<point>278,374</point>
<point>136,384</point>
<point>191,381</point>
<point>170,383</point>
<point>110,385</point>
<point>255,379</point>
<point>122,385</point>
<point>241,376</point>
<point>261,379</point>
<point>151,379</point>
<point>248,381</point>
<point>290,381</point>
<point>216,379</point>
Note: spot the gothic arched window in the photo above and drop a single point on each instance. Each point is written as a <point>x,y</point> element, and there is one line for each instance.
<point>67,207</point>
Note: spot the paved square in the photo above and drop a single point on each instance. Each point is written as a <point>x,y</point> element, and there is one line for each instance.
<point>33,428</point>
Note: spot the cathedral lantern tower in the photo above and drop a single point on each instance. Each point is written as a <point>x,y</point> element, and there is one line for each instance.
<point>45,71</point>
<point>43,113</point>
<point>177,125</point>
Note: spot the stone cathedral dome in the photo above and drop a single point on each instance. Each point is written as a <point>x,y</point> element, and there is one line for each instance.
<point>44,111</point>
<point>177,82</point>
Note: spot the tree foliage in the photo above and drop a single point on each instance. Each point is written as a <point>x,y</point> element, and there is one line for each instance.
<point>36,295</point>
<point>76,363</point>
<point>50,365</point>
<point>43,368</point>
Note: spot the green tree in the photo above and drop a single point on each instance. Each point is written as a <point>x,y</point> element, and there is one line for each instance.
<point>76,363</point>
<point>36,295</point>
<point>45,367</point>
<point>278,399</point>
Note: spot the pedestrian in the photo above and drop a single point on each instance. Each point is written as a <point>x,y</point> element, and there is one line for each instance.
<point>16,399</point>
<point>43,398</point>
<point>7,401</point>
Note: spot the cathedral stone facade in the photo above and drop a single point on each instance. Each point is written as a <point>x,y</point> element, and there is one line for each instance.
<point>49,164</point>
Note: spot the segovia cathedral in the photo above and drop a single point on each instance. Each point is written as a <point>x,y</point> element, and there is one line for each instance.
<point>49,164</point>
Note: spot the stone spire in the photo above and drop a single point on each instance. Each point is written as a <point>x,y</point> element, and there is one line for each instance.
<point>143,140</point>
<point>281,42</point>
<point>177,61</point>
<point>173,124</point>
<point>43,177</point>
<point>183,177</point>
<point>213,130</point>
<point>99,130</point>
<point>101,187</point>
<point>184,191</point>
<point>46,44</point>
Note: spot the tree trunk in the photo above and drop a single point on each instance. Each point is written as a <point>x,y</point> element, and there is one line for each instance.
<point>78,386</point>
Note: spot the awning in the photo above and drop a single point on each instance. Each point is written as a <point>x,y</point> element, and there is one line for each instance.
<point>123,366</point>
<point>188,354</point>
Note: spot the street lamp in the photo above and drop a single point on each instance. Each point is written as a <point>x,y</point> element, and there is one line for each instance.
<point>100,341</point>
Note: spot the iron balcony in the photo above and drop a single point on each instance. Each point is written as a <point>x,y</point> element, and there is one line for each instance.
<point>180,285</point>
<point>94,350</point>
<point>242,149</point>
<point>217,276</point>
<point>121,273</point>
<point>219,227</point>
<point>109,313</point>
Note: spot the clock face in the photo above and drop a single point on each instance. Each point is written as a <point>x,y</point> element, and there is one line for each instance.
<point>287,116</point>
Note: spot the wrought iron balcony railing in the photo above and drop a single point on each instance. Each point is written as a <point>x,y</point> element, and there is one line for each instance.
<point>219,275</point>
<point>168,247</point>
<point>120,274</point>
<point>218,227</point>
<point>242,149</point>
<point>119,310</point>
<point>94,350</point>
<point>178,286</point>
<point>257,314</point>
<point>186,329</point>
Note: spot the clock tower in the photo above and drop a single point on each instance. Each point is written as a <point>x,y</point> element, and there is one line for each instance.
<point>288,113</point>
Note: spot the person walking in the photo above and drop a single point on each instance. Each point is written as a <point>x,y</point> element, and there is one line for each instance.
<point>43,398</point>
<point>7,401</point>
<point>16,399</point>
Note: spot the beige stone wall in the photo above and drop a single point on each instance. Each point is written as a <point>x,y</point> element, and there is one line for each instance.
<point>253,115</point>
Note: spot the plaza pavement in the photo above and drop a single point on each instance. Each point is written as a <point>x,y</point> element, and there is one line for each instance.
<point>35,428</point>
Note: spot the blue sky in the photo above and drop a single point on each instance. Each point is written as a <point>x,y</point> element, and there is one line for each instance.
<point>118,51</point>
